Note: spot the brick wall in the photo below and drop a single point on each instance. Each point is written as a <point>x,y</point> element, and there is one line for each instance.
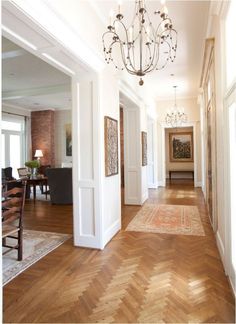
<point>42,134</point>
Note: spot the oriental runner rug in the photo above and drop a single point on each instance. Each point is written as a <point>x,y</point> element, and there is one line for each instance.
<point>167,219</point>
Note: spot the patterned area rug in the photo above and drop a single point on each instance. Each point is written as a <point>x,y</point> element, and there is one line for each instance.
<point>36,245</point>
<point>168,219</point>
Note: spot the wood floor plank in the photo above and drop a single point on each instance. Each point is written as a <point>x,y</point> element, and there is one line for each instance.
<point>138,277</point>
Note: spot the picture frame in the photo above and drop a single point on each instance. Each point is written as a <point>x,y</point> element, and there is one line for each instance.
<point>144,148</point>
<point>68,139</point>
<point>111,146</point>
<point>181,147</point>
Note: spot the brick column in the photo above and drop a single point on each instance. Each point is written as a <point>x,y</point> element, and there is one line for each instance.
<point>42,133</point>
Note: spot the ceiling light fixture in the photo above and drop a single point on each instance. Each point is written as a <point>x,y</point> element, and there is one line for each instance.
<point>58,63</point>
<point>175,116</point>
<point>140,44</point>
<point>21,39</point>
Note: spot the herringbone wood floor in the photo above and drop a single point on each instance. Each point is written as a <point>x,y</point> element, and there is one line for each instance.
<point>138,277</point>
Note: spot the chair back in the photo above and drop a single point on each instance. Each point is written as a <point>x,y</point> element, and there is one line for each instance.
<point>60,185</point>
<point>13,204</point>
<point>23,172</point>
<point>42,169</point>
<point>7,173</point>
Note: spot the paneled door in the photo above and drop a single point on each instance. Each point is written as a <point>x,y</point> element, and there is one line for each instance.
<point>208,87</point>
<point>209,162</point>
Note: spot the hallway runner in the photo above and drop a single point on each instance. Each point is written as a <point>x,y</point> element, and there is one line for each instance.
<point>167,219</point>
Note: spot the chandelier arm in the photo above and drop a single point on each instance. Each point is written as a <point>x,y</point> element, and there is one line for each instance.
<point>152,66</point>
<point>124,61</point>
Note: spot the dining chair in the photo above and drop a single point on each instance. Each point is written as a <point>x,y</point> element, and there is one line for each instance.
<point>12,216</point>
<point>23,172</point>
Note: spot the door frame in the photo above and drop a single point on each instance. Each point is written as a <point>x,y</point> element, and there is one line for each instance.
<point>163,154</point>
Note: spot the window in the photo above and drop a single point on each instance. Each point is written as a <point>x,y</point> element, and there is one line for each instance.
<point>230,28</point>
<point>13,142</point>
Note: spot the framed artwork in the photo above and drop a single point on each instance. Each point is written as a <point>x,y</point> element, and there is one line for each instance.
<point>181,147</point>
<point>111,146</point>
<point>68,140</point>
<point>144,148</point>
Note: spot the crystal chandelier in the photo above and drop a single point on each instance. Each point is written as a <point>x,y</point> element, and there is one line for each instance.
<point>141,47</point>
<point>176,116</point>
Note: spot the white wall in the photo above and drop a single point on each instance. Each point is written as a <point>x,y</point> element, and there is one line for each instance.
<point>111,198</point>
<point>216,30</point>
<point>152,153</point>
<point>62,117</point>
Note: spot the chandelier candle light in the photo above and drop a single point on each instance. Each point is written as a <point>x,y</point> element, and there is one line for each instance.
<point>142,48</point>
<point>176,116</point>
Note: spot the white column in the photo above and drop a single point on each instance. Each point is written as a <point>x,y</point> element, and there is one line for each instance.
<point>86,167</point>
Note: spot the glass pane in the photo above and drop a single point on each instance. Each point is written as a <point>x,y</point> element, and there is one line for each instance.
<point>232,129</point>
<point>3,152</point>
<point>15,158</point>
<point>15,126</point>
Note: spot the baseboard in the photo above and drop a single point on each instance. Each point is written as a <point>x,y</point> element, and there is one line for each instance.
<point>221,248</point>
<point>198,184</point>
<point>111,231</point>
<point>232,284</point>
<point>161,184</point>
<point>145,197</point>
<point>152,185</point>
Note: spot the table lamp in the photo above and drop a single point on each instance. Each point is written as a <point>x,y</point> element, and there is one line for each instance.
<point>38,154</point>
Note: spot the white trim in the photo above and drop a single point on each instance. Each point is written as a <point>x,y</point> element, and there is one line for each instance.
<point>198,184</point>
<point>144,197</point>
<point>220,246</point>
<point>111,231</point>
<point>161,183</point>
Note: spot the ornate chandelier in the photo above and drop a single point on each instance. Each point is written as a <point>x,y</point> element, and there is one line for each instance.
<point>141,47</point>
<point>176,116</point>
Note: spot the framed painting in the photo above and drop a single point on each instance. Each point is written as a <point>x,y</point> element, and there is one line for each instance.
<point>68,140</point>
<point>111,146</point>
<point>144,148</point>
<point>181,147</point>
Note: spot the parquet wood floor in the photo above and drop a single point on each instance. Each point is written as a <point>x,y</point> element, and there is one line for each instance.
<point>138,277</point>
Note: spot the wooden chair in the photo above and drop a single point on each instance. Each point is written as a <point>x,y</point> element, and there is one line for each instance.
<point>42,170</point>
<point>23,172</point>
<point>12,214</point>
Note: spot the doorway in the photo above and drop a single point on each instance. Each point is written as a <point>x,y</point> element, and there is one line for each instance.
<point>179,155</point>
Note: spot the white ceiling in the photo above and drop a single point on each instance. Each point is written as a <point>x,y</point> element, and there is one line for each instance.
<point>31,83</point>
<point>190,20</point>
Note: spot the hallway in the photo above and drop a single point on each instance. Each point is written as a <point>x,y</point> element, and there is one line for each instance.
<point>138,277</point>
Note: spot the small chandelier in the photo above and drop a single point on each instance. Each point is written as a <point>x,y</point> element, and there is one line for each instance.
<point>141,47</point>
<point>176,116</point>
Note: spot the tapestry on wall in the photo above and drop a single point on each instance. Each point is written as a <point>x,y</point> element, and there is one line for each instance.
<point>111,146</point>
<point>181,147</point>
<point>68,140</point>
<point>144,148</point>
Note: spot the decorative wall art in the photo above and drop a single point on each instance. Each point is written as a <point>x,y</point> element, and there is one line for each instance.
<point>68,140</point>
<point>181,147</point>
<point>144,148</point>
<point>111,146</point>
